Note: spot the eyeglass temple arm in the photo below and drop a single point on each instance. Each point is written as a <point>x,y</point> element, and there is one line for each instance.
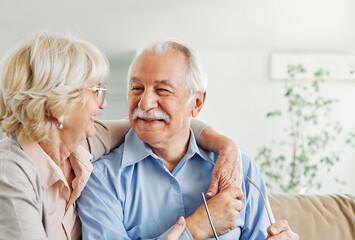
<point>209,216</point>
<point>267,211</point>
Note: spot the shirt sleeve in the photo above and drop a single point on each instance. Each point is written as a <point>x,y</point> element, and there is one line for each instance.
<point>100,211</point>
<point>118,130</point>
<point>197,127</point>
<point>256,218</point>
<point>20,206</point>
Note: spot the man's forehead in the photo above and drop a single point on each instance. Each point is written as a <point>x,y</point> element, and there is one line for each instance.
<point>169,68</point>
<point>171,57</point>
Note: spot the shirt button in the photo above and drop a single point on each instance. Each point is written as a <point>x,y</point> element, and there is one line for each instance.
<point>172,181</point>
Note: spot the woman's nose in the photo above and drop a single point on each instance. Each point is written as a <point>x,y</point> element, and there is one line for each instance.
<point>104,105</point>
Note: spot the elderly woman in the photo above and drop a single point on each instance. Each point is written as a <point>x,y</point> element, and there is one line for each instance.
<point>50,92</point>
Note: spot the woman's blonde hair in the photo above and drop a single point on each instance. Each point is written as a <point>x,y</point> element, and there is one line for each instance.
<point>41,78</point>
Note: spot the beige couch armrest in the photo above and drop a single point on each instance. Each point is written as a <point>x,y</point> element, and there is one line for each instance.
<point>317,216</point>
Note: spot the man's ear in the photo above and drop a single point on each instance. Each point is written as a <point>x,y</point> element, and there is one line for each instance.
<point>198,104</point>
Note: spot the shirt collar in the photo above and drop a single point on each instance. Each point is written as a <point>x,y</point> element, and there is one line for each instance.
<point>195,149</point>
<point>80,159</point>
<point>49,171</point>
<point>135,150</point>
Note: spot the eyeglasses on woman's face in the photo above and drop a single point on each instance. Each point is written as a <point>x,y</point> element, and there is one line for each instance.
<point>100,93</point>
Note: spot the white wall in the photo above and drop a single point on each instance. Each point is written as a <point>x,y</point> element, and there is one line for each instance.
<point>234,37</point>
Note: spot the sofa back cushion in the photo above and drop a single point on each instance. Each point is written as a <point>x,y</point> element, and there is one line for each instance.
<point>316,216</point>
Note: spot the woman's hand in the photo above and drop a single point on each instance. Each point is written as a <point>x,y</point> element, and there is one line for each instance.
<point>228,168</point>
<point>177,229</point>
<point>281,230</point>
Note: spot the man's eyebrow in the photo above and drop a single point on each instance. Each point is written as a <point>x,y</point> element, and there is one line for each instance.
<point>134,79</point>
<point>165,82</point>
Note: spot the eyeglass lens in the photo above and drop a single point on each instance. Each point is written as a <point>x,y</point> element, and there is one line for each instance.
<point>101,94</point>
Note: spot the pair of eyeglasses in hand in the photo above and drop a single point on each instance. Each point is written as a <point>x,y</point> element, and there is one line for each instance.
<point>209,216</point>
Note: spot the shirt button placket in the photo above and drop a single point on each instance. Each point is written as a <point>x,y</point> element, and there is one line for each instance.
<point>180,201</point>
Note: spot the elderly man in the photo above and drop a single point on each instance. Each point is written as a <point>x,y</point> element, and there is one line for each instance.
<point>140,189</point>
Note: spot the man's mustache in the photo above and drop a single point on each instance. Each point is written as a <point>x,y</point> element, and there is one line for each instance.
<point>152,113</point>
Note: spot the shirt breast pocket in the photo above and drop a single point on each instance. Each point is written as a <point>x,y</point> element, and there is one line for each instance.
<point>144,231</point>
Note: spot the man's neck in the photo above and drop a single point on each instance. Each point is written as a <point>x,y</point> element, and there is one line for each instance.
<point>172,152</point>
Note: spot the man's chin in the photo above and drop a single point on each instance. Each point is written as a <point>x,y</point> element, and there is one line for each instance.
<point>148,127</point>
<point>150,137</point>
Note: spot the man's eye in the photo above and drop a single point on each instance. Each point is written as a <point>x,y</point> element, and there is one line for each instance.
<point>136,88</point>
<point>163,90</point>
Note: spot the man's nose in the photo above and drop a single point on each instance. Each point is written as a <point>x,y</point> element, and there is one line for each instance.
<point>148,101</point>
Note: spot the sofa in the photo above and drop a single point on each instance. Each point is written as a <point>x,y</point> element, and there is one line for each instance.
<point>316,217</point>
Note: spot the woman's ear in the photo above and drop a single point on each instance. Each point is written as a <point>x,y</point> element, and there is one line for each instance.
<point>198,104</point>
<point>60,119</point>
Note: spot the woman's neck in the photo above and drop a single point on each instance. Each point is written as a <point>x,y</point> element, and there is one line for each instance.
<point>59,146</point>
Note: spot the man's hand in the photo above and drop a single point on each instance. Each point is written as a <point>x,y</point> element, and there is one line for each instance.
<point>224,209</point>
<point>177,230</point>
<point>281,230</point>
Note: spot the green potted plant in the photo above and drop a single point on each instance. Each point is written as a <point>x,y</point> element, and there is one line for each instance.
<point>309,146</point>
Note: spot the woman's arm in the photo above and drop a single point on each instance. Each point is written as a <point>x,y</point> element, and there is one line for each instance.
<point>226,172</point>
<point>228,168</point>
<point>21,199</point>
<point>109,134</point>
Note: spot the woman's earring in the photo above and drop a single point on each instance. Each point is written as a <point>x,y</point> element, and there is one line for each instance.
<point>60,127</point>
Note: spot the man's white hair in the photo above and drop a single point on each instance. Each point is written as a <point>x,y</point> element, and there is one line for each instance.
<point>196,78</point>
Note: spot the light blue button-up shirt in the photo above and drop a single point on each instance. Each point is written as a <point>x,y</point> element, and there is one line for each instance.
<point>131,195</point>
